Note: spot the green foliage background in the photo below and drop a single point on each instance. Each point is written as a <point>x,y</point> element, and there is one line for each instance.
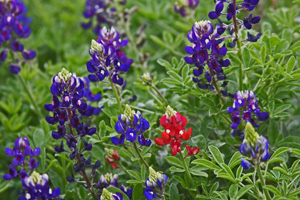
<point>271,65</point>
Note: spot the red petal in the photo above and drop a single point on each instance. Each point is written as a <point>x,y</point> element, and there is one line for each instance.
<point>188,149</point>
<point>114,165</point>
<point>174,151</point>
<point>165,135</point>
<point>116,157</point>
<point>185,136</point>
<point>183,121</point>
<point>196,150</point>
<point>159,141</point>
<point>163,120</point>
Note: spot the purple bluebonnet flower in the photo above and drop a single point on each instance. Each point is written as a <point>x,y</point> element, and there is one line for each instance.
<point>155,184</point>
<point>233,9</point>
<point>112,180</point>
<point>36,186</point>
<point>245,109</point>
<point>99,9</point>
<point>107,58</point>
<point>68,108</point>
<point>13,26</point>
<point>23,157</point>
<point>131,126</point>
<point>106,195</point>
<point>181,6</point>
<point>206,51</point>
<point>255,147</point>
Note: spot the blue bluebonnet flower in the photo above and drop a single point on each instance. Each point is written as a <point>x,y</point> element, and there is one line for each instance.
<point>13,26</point>
<point>233,9</point>
<point>112,180</point>
<point>91,97</point>
<point>255,147</point>
<point>107,58</point>
<point>36,186</point>
<point>68,107</point>
<point>106,195</point>
<point>206,51</point>
<point>99,9</point>
<point>131,126</point>
<point>23,157</point>
<point>181,6</point>
<point>155,184</point>
<point>245,109</point>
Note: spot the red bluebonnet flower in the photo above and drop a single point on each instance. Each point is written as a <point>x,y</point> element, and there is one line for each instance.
<point>131,126</point>
<point>206,51</point>
<point>112,156</point>
<point>107,58</point>
<point>181,6</point>
<point>23,157</point>
<point>174,125</point>
<point>255,147</point>
<point>245,108</point>
<point>106,195</point>
<point>191,151</point>
<point>155,184</point>
<point>13,26</point>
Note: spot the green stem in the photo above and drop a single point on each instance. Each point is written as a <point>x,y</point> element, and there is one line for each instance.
<point>262,181</point>
<point>186,169</point>
<point>116,95</point>
<point>124,169</point>
<point>138,152</point>
<point>29,93</point>
<point>236,29</point>
<point>159,93</point>
<point>216,86</point>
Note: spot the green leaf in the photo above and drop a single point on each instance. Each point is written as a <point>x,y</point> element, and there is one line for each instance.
<point>234,160</point>
<point>246,57</point>
<point>102,129</point>
<point>38,137</point>
<point>175,169</point>
<point>134,174</point>
<point>272,189</point>
<point>205,163</point>
<point>282,46</point>
<point>158,41</point>
<point>168,38</point>
<point>263,54</point>
<point>295,47</point>
<point>137,192</point>
<point>243,191</point>
<point>273,131</point>
<point>113,189</point>
<point>290,65</point>
<point>279,151</point>
<point>216,154</point>
<point>287,34</point>
<point>173,191</point>
<point>207,101</point>
<point>197,171</point>
<point>228,170</point>
<point>185,72</point>
<point>282,108</point>
<point>165,64</point>
<point>174,161</point>
<point>175,75</point>
<point>233,190</point>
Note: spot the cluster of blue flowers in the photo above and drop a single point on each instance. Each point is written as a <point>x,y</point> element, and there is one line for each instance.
<point>13,26</point>
<point>107,58</point>
<point>155,184</point>
<point>35,185</point>
<point>67,107</point>
<point>132,126</point>
<point>233,9</point>
<point>112,180</point>
<point>206,50</point>
<point>23,157</point>
<point>181,6</point>
<point>245,109</point>
<point>255,147</point>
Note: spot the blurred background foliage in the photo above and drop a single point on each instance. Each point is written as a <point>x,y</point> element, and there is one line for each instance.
<point>61,42</point>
